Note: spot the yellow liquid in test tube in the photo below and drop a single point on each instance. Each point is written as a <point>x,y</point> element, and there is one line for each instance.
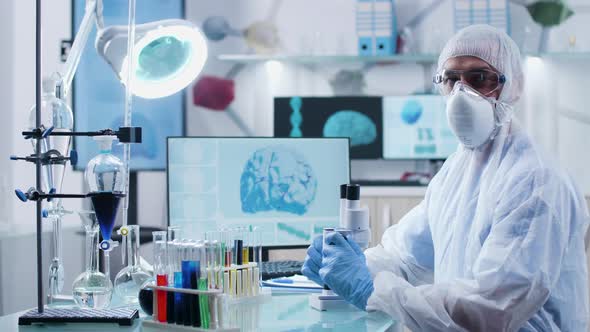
<point>245,254</point>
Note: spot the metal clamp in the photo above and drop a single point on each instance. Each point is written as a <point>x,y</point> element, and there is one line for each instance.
<point>124,134</point>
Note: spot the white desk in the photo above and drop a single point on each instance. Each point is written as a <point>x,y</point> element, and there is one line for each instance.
<point>282,312</point>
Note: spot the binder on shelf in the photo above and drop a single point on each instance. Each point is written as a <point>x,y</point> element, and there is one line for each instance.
<point>376,27</point>
<point>492,12</point>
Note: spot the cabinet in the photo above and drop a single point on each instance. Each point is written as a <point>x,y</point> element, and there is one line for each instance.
<point>387,205</point>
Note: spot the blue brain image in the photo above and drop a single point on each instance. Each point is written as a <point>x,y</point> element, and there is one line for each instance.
<point>412,111</point>
<point>277,178</point>
<point>359,127</point>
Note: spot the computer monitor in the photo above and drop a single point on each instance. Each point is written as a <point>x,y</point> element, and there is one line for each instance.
<point>416,127</point>
<point>287,187</point>
<point>359,118</point>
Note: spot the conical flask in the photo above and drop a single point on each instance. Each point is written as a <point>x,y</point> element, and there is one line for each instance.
<point>105,176</point>
<point>57,114</point>
<point>92,289</point>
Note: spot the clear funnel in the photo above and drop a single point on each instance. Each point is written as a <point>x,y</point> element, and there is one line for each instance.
<point>105,172</point>
<point>106,205</point>
<point>105,176</point>
<point>57,114</point>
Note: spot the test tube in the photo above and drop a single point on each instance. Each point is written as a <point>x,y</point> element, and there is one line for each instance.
<point>173,237</point>
<point>214,265</point>
<point>245,247</point>
<point>220,253</point>
<point>239,284</point>
<point>198,261</point>
<point>238,247</point>
<point>203,305</point>
<point>327,230</point>
<point>257,249</point>
<point>211,255</point>
<point>177,272</point>
<point>161,271</point>
<point>233,283</point>
<point>228,247</point>
<point>231,247</point>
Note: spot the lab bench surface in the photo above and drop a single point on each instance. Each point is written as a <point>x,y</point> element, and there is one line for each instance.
<point>281,313</point>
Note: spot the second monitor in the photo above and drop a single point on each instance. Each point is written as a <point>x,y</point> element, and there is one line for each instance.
<point>359,118</point>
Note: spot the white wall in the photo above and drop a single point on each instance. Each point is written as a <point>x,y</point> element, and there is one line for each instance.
<point>7,97</point>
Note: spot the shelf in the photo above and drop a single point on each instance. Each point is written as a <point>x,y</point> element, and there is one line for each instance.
<point>313,59</point>
<point>561,55</point>
<point>407,58</point>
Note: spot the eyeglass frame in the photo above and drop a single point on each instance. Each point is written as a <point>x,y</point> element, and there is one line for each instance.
<point>438,78</point>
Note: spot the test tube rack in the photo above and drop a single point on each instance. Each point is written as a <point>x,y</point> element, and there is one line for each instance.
<point>241,281</point>
<point>222,305</point>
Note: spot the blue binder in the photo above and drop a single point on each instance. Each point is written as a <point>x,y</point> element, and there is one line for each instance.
<point>376,27</point>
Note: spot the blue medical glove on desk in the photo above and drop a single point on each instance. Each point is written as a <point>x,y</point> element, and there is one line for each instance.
<point>313,261</point>
<point>344,270</point>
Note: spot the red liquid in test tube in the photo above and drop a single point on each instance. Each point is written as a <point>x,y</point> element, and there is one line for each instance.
<point>228,258</point>
<point>162,280</point>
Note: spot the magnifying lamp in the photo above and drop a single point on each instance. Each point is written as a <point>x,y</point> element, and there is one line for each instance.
<point>169,54</point>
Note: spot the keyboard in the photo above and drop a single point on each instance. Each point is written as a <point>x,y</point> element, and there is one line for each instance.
<point>279,269</point>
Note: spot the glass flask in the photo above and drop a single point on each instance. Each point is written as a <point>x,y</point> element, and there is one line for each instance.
<point>57,114</point>
<point>92,289</point>
<point>129,280</point>
<point>105,172</point>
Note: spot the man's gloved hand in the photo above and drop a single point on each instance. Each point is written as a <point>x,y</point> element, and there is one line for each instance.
<point>313,261</point>
<point>344,270</point>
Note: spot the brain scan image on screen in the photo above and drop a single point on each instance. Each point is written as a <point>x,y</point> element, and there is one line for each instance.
<point>416,127</point>
<point>359,127</point>
<point>289,188</point>
<point>356,117</point>
<point>411,111</point>
<point>277,178</point>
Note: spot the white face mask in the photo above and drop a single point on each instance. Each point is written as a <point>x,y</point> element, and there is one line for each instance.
<point>470,116</point>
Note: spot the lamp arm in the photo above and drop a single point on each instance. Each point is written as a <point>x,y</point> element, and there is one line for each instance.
<point>92,15</point>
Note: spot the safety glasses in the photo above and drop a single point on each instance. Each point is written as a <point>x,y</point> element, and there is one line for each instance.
<point>482,80</point>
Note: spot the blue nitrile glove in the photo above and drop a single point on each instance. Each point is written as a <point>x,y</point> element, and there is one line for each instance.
<point>313,261</point>
<point>344,270</point>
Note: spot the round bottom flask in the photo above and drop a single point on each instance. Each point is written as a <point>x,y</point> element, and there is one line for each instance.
<point>92,289</point>
<point>129,280</point>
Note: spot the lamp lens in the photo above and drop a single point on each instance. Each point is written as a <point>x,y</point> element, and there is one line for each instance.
<point>162,58</point>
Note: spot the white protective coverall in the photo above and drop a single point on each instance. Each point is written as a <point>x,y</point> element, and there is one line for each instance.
<point>497,244</point>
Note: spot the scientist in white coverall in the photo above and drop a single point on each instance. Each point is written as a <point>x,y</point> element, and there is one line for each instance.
<point>497,244</point>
